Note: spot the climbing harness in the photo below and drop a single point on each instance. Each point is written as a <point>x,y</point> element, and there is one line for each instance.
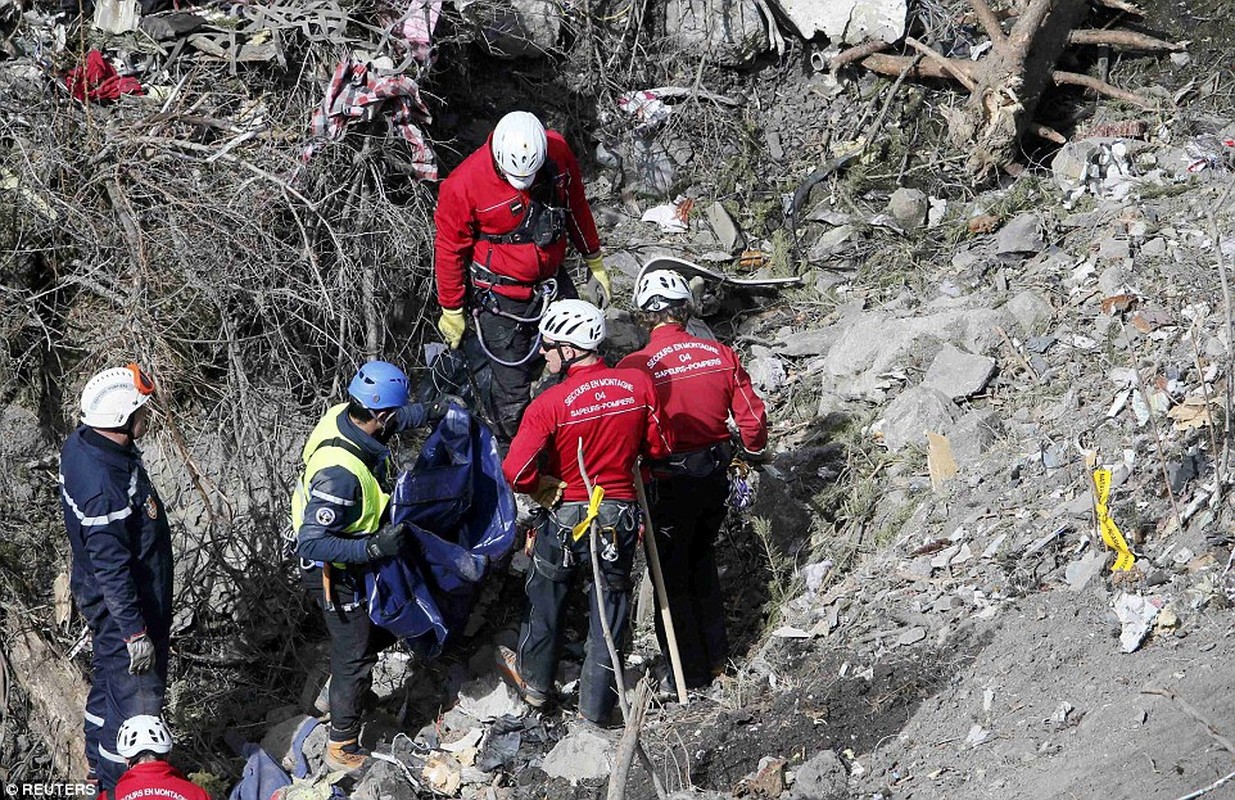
<point>542,225</point>
<point>544,294</point>
<point>544,222</point>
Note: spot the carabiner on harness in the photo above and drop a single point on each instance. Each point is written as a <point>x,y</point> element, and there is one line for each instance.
<point>546,292</point>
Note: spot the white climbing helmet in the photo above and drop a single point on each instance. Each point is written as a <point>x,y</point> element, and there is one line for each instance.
<point>519,147</point>
<point>143,733</point>
<point>575,322</point>
<point>111,396</point>
<point>661,289</point>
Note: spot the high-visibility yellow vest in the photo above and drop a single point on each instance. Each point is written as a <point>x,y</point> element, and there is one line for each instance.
<point>321,452</point>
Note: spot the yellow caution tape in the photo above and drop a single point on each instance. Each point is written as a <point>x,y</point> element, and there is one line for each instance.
<point>593,508</point>
<point>1110,531</point>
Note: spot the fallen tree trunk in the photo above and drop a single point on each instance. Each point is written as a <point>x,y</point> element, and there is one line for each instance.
<point>960,69</point>
<point>57,692</point>
<point>1007,88</point>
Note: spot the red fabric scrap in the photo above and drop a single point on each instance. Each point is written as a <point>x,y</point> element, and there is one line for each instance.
<point>98,80</point>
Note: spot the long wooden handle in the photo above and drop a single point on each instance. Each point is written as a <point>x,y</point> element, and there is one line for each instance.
<point>658,582</point>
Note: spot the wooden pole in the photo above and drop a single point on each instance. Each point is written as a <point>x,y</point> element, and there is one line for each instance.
<point>658,582</point>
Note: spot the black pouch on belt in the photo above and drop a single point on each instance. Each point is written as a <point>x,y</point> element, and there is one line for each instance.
<point>701,463</point>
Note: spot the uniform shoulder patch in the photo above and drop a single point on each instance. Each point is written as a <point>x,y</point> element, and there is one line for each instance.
<point>324,517</point>
<point>152,507</point>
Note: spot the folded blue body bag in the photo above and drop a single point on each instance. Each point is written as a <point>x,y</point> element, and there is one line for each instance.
<point>461,513</point>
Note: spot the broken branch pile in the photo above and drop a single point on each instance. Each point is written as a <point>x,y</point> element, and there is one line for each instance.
<point>250,275</point>
<point>1006,85</point>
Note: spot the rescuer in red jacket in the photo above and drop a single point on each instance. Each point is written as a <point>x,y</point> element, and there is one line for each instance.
<point>503,220</point>
<point>700,385</point>
<point>144,742</point>
<point>613,412</point>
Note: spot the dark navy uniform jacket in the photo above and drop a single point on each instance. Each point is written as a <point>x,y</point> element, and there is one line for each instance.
<point>117,526</point>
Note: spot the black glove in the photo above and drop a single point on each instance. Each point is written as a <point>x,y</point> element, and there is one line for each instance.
<point>751,457</point>
<point>386,542</point>
<point>438,408</point>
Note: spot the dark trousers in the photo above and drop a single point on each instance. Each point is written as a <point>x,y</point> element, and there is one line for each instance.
<point>115,695</point>
<point>354,645</point>
<point>510,341</point>
<point>687,514</point>
<point>556,561</point>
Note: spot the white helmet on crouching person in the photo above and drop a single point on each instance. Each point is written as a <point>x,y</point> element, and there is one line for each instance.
<point>574,322</point>
<point>661,289</point>
<point>144,733</point>
<point>111,396</point>
<point>519,147</point>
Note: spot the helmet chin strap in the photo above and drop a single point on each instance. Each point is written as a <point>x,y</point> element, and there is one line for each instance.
<point>567,363</point>
<point>127,428</point>
<point>386,431</point>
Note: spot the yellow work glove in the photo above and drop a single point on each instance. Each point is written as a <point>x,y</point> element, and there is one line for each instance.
<point>548,491</point>
<point>599,282</point>
<point>452,325</point>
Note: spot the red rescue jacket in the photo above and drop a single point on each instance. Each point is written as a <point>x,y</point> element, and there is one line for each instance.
<point>699,384</point>
<point>156,780</point>
<point>475,199</point>
<point>612,411</point>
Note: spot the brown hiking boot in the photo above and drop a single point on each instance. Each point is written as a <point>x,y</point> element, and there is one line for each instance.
<point>346,756</point>
<point>508,669</point>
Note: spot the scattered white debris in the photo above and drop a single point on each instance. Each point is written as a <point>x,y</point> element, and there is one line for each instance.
<point>1136,614</point>
<point>671,217</point>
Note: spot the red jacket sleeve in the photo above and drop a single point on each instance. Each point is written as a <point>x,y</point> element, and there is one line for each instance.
<point>453,242</point>
<point>657,441</point>
<point>521,466</point>
<point>581,225</point>
<point>748,411</point>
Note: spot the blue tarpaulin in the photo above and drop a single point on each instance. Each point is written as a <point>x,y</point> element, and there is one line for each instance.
<point>462,515</point>
<point>262,777</point>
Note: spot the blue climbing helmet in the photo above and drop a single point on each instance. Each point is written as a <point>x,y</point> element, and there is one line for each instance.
<point>379,385</point>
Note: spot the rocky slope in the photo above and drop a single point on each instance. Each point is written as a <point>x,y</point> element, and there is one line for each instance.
<point>922,603</point>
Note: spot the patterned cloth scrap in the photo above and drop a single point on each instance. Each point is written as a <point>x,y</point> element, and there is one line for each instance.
<point>358,92</point>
